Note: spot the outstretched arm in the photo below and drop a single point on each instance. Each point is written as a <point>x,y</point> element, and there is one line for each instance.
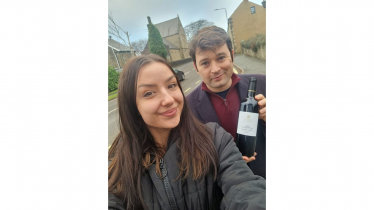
<point>241,188</point>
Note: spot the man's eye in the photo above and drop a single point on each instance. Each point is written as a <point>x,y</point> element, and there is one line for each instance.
<point>172,85</point>
<point>205,63</point>
<point>221,58</point>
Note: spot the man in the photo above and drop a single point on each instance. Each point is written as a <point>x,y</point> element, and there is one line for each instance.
<point>218,97</point>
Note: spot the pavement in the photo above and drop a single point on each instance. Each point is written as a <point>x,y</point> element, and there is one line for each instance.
<point>250,65</point>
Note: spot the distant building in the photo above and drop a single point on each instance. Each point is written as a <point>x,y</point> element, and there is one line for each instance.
<point>174,39</point>
<point>248,20</point>
<point>118,53</point>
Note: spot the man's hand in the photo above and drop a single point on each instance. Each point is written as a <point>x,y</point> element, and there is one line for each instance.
<point>249,159</point>
<point>261,101</point>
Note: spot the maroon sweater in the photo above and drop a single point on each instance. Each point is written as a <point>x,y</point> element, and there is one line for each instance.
<point>227,109</point>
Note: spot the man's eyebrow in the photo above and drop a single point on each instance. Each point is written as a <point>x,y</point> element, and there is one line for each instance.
<point>153,85</point>
<point>202,60</point>
<point>221,53</point>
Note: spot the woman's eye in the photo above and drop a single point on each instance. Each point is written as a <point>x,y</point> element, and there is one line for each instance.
<point>147,94</point>
<point>172,85</point>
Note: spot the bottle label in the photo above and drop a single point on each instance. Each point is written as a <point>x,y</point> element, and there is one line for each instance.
<point>247,123</point>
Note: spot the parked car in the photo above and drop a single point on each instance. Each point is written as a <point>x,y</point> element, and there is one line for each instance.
<point>180,74</point>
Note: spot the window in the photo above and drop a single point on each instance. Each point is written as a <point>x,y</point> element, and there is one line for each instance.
<point>253,10</point>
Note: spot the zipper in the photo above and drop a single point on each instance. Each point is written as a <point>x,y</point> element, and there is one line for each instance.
<point>225,103</point>
<point>224,99</point>
<point>167,185</point>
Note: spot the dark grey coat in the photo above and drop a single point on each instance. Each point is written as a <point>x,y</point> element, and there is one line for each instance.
<point>235,188</point>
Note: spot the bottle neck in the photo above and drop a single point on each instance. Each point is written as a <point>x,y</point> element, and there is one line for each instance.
<point>251,93</point>
<point>252,87</point>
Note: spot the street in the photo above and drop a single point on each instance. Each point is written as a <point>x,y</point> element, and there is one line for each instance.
<point>248,64</point>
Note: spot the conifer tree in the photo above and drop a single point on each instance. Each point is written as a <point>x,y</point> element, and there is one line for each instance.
<point>155,43</point>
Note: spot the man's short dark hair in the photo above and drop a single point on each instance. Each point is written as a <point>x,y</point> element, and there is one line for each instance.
<point>209,38</point>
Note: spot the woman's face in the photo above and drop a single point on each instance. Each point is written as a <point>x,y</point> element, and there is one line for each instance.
<point>158,97</point>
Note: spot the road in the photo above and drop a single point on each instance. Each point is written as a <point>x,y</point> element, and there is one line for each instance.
<point>190,83</point>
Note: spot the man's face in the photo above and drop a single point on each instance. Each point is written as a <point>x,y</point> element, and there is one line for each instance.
<point>215,68</point>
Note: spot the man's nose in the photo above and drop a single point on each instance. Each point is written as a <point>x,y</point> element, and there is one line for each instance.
<point>215,67</point>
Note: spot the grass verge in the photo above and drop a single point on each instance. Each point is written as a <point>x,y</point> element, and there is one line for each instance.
<point>113,96</point>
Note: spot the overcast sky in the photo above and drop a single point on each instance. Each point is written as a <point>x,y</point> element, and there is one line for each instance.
<point>131,15</point>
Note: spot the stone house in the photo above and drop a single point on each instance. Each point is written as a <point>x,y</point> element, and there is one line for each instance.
<point>248,20</point>
<point>174,39</point>
<point>118,53</point>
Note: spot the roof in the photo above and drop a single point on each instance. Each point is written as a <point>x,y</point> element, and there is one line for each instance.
<point>168,27</point>
<point>117,46</point>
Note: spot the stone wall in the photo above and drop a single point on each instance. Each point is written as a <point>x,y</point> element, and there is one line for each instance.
<point>186,53</point>
<point>260,54</point>
<point>246,25</point>
<point>121,56</point>
<point>174,39</point>
<point>175,54</point>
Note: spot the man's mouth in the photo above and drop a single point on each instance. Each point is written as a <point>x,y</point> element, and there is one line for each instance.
<point>217,77</point>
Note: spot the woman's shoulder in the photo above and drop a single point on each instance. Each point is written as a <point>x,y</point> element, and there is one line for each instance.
<point>114,203</point>
<point>215,127</point>
<point>220,135</point>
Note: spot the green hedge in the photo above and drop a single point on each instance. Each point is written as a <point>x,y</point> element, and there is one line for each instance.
<point>113,77</point>
<point>255,43</point>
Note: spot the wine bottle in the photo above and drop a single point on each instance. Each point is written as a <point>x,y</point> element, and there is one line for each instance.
<point>248,121</point>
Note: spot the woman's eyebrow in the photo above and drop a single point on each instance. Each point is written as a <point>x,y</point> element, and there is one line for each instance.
<point>171,77</point>
<point>146,85</point>
<point>153,85</point>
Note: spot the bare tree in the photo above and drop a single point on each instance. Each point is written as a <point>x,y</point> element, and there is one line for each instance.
<point>139,45</point>
<point>193,27</point>
<point>117,31</point>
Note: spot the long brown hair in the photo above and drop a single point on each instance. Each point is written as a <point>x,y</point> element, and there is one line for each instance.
<point>130,153</point>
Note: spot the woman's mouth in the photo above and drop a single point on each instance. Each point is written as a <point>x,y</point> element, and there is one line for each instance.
<point>169,113</point>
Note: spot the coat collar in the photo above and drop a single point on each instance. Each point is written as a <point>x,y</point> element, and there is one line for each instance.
<point>243,88</point>
<point>205,107</point>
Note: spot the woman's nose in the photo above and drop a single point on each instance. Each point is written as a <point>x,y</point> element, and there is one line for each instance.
<point>167,99</point>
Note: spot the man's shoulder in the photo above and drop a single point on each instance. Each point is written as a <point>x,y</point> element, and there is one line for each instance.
<point>192,96</point>
<point>247,76</point>
<point>261,79</point>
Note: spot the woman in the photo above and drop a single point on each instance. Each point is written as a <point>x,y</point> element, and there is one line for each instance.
<point>164,158</point>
